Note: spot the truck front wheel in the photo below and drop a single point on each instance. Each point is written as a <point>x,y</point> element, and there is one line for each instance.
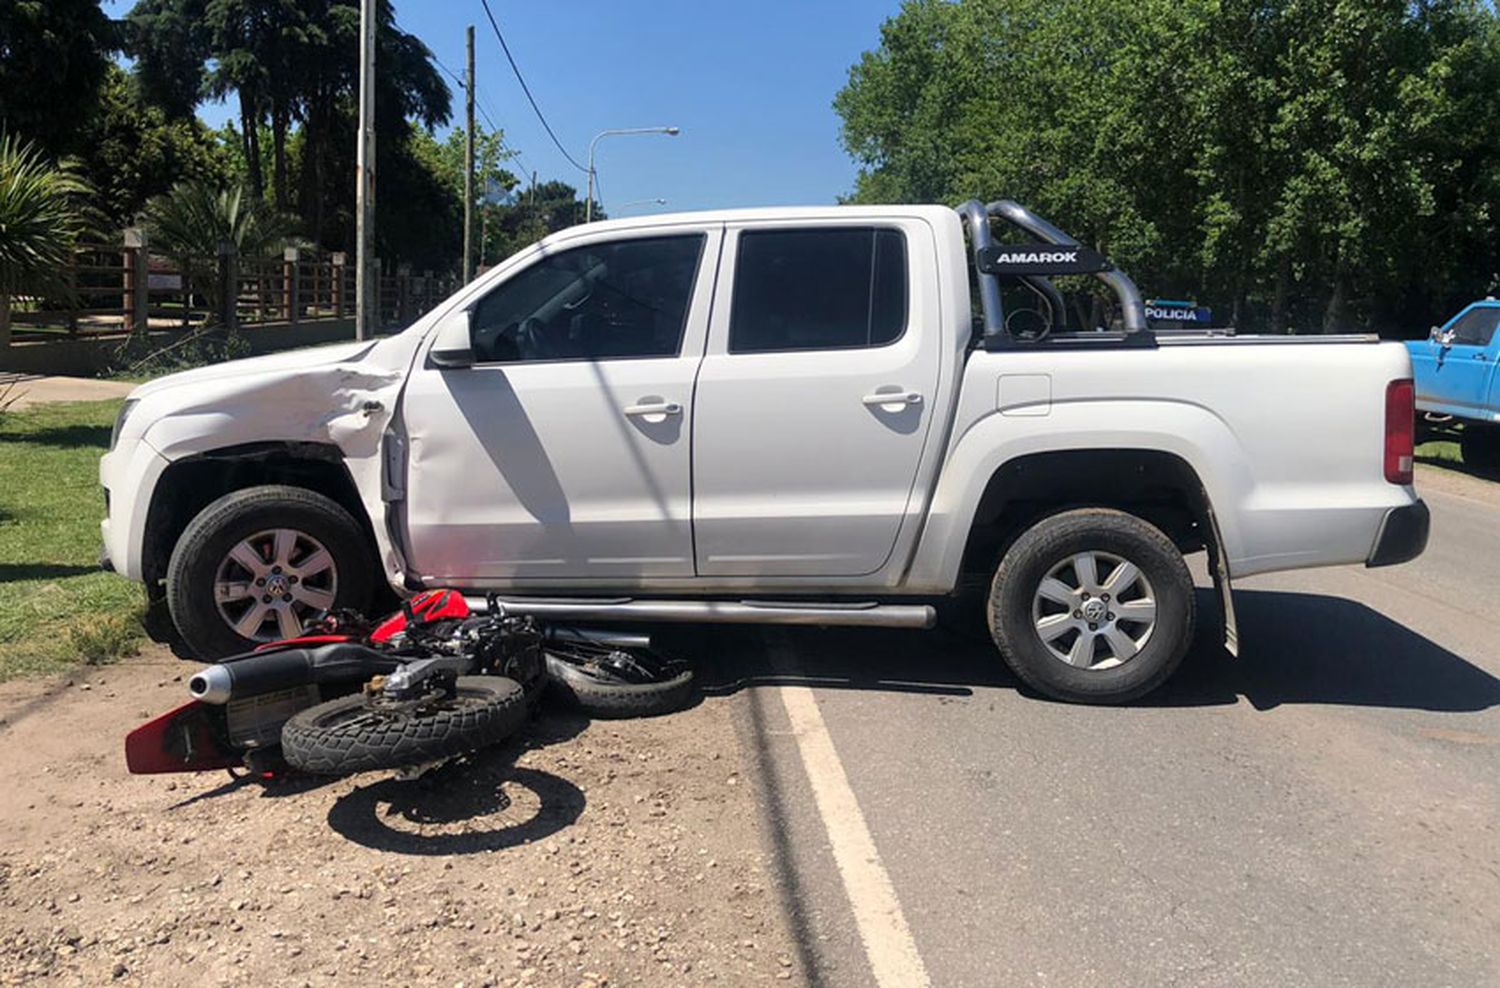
<point>1092,606</point>
<point>259,564</point>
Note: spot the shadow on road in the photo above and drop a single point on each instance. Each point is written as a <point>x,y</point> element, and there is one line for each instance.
<point>1295,648</point>
<point>40,571</point>
<point>65,436</point>
<point>472,805</point>
<point>1310,648</point>
<point>1458,466</point>
<point>480,803</point>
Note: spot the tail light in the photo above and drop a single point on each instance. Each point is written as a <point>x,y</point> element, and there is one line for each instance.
<point>1400,430</point>
<point>181,740</point>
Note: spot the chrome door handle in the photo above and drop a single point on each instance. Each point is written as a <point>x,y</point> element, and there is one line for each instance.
<point>892,398</point>
<point>654,408</point>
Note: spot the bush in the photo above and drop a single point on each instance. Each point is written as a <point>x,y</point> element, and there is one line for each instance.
<point>144,357</point>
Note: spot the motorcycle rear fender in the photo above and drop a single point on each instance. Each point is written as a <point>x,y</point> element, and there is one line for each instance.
<point>186,739</point>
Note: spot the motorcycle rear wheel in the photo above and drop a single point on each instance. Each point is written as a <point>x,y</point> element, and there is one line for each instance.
<point>583,677</point>
<point>352,734</point>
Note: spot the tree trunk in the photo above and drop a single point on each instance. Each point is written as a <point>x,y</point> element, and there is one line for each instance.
<point>1237,313</point>
<point>1334,315</point>
<point>314,162</point>
<point>250,139</point>
<point>1279,297</point>
<point>278,142</point>
<point>320,166</point>
<point>4,320</point>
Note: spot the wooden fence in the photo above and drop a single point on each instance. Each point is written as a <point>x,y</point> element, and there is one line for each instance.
<point>118,290</point>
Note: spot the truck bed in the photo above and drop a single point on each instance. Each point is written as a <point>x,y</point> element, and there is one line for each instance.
<point>1285,433</point>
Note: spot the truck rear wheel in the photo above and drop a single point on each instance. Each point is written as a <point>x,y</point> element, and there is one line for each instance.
<point>260,563</point>
<point>1092,606</point>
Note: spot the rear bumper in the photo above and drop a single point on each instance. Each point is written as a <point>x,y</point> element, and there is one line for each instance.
<point>1402,535</point>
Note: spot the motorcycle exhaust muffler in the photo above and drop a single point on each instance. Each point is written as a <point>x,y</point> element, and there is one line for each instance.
<point>264,672</point>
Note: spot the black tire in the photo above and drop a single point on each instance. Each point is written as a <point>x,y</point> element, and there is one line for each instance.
<point>1051,543</point>
<point>1480,448</point>
<point>598,694</point>
<point>333,738</point>
<point>963,614</point>
<point>237,516</point>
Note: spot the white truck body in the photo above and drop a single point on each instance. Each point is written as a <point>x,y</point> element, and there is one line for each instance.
<point>712,473</point>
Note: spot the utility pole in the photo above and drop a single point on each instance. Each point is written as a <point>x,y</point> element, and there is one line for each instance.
<point>366,318</point>
<point>469,164</point>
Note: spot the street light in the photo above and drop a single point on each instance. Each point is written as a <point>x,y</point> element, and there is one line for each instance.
<point>588,210</point>
<point>641,202</point>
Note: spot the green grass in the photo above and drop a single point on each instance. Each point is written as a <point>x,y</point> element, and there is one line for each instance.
<point>57,608</point>
<point>1440,452</point>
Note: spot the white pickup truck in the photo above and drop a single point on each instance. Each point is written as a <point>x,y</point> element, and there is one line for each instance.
<point>778,415</point>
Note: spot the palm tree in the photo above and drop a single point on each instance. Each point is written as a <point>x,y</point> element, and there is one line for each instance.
<point>43,214</point>
<point>193,220</point>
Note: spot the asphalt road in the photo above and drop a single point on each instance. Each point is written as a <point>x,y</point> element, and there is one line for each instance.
<point>1324,810</point>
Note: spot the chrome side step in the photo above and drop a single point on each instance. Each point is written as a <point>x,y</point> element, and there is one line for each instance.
<point>857,614</point>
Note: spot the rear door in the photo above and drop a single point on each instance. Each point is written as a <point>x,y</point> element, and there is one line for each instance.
<point>1455,378</point>
<point>815,399</point>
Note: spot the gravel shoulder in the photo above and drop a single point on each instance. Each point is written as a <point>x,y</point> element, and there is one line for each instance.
<point>581,853</point>
<point>1448,480</point>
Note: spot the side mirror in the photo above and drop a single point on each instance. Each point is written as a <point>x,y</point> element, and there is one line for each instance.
<point>452,344</point>
<point>1435,333</point>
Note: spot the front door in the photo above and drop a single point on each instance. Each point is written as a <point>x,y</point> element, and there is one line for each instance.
<point>1457,376</point>
<point>563,453</point>
<point>814,402</point>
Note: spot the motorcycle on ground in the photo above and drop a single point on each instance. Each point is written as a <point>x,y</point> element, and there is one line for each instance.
<point>431,682</point>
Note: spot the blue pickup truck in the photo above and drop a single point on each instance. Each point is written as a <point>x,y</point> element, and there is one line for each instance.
<point>1458,391</point>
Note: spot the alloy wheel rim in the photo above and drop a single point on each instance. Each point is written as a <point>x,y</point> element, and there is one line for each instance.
<point>271,584</point>
<point>1094,610</point>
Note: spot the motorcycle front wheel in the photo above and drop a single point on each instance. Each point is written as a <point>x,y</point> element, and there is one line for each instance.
<point>357,734</point>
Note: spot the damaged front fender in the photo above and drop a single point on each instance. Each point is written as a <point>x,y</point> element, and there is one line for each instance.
<point>339,398</point>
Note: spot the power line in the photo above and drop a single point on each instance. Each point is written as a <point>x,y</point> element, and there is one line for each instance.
<point>525,88</point>
<point>480,106</point>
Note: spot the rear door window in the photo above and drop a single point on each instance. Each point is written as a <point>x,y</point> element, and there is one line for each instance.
<point>833,288</point>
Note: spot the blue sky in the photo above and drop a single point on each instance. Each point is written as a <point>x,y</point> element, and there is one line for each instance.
<point>750,84</point>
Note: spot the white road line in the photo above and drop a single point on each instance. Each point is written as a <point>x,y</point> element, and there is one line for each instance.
<point>877,912</point>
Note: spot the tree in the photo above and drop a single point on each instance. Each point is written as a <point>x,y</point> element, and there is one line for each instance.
<point>531,215</point>
<point>170,46</point>
<point>408,88</point>
<point>446,160</point>
<point>43,214</point>
<point>52,58</point>
<point>288,62</point>
<point>1309,162</point>
<point>133,151</point>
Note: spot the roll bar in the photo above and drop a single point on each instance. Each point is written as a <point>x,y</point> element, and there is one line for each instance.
<point>977,215</point>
